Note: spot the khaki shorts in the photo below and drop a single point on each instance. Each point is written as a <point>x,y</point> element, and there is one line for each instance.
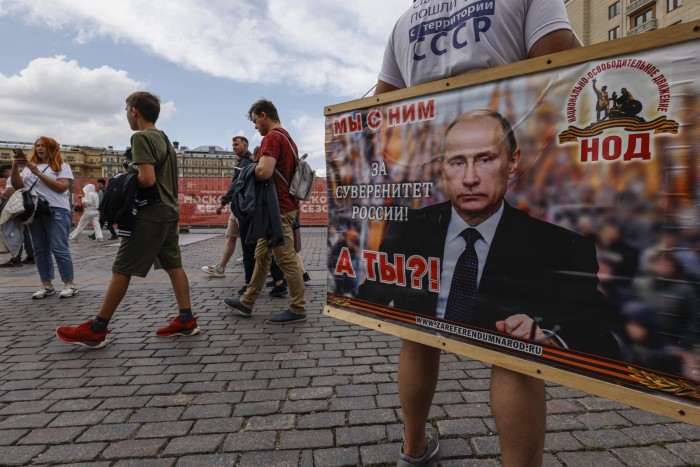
<point>151,244</point>
<point>233,229</point>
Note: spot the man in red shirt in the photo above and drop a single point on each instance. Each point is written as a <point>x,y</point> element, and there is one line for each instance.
<point>277,151</point>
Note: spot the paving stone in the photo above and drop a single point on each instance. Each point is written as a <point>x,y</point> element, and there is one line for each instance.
<point>19,455</point>
<point>465,427</point>
<point>598,403</point>
<point>310,393</point>
<point>649,456</point>
<point>486,446</point>
<point>321,420</point>
<point>209,460</point>
<point>82,418</point>
<point>265,395</point>
<point>70,453</point>
<point>353,403</point>
<point>145,462</point>
<point>605,439</point>
<point>193,445</point>
<point>374,416</point>
<point>27,407</point>
<point>134,402</point>
<point>470,463</point>
<point>25,395</point>
<point>337,457</point>
<point>27,421</point>
<point>171,400</point>
<point>306,439</point>
<point>272,459</point>
<point>250,441</point>
<point>256,408</point>
<point>556,442</point>
<point>207,411</point>
<point>270,422</point>
<point>218,425</point>
<point>152,414</point>
<point>360,435</point>
<point>379,454</point>
<point>134,448</point>
<point>467,410</point>
<point>8,437</point>
<point>305,406</point>
<point>589,459</point>
<point>689,453</point>
<point>564,422</point>
<point>111,432</point>
<point>218,398</point>
<point>690,432</point>
<point>153,389</point>
<point>52,435</point>
<point>595,421</point>
<point>642,417</point>
<point>75,405</point>
<point>164,429</point>
<point>652,434</point>
<point>454,449</point>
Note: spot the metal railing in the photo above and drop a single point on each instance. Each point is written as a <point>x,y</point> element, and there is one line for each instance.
<point>644,27</point>
<point>637,5</point>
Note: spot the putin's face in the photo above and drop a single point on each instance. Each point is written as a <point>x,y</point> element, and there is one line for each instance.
<point>476,168</point>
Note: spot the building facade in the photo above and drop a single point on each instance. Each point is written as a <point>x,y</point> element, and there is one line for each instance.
<point>85,161</point>
<point>95,162</point>
<point>597,21</point>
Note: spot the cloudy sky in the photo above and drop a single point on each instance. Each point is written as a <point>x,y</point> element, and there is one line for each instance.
<point>67,65</point>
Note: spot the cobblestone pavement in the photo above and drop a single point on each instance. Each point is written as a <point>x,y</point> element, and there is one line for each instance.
<point>244,393</point>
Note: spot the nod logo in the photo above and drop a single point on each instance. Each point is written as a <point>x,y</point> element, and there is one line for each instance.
<point>609,124</point>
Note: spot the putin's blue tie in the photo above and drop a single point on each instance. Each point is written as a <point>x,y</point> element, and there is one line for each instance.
<point>460,301</point>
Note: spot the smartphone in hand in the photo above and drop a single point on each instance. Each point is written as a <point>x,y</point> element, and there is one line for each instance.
<point>20,157</point>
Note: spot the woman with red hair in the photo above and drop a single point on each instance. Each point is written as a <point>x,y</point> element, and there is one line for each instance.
<point>50,177</point>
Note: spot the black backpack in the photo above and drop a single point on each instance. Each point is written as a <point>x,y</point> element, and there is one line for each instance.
<point>117,206</point>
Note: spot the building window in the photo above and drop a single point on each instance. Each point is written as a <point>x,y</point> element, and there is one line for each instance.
<point>614,9</point>
<point>673,4</point>
<point>614,33</point>
<point>643,18</point>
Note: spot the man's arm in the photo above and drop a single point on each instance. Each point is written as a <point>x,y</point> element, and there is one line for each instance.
<point>555,41</point>
<point>383,87</point>
<point>147,175</point>
<point>265,167</point>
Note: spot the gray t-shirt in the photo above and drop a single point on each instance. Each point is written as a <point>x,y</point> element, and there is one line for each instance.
<point>438,39</point>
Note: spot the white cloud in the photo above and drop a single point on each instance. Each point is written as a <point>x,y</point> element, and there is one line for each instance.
<point>318,45</point>
<point>76,105</point>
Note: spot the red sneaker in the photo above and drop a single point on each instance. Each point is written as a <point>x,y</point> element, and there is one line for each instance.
<point>82,335</point>
<point>178,328</point>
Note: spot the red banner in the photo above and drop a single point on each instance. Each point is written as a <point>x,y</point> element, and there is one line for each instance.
<point>199,198</point>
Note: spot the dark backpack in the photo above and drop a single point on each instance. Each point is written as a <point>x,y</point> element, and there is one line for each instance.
<point>117,206</point>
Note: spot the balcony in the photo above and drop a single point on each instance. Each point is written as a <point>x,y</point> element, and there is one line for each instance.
<point>644,27</point>
<point>637,5</point>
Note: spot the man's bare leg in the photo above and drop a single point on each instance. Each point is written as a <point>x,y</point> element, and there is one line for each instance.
<point>181,286</point>
<point>116,290</point>
<point>227,252</point>
<point>418,374</point>
<point>518,405</point>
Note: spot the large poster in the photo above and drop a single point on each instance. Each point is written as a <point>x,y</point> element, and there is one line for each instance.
<point>551,217</point>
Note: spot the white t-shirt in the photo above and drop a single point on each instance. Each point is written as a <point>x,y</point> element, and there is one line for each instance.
<point>56,200</point>
<point>438,39</point>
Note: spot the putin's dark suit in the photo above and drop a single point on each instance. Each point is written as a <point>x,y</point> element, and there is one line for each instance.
<point>533,268</point>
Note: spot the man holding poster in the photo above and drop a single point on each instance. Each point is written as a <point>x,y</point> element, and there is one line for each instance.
<point>483,35</point>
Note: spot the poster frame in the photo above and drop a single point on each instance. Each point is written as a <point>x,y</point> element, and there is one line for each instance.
<point>654,403</point>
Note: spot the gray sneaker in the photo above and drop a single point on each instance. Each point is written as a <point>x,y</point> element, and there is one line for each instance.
<point>430,452</point>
